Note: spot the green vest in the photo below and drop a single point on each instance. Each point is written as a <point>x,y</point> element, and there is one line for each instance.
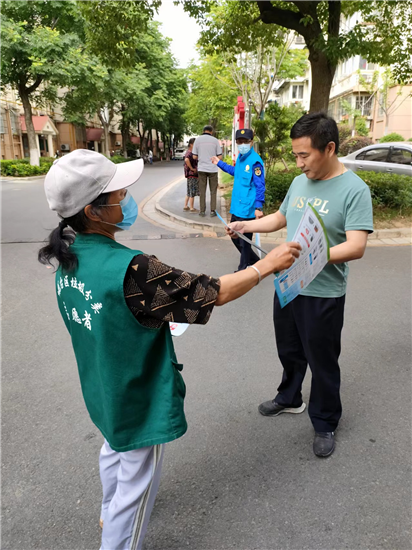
<point>129,375</point>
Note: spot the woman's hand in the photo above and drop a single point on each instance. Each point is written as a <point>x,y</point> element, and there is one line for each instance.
<point>282,256</point>
<point>240,227</point>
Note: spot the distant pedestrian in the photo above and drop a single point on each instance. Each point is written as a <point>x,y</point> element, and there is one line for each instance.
<point>205,148</point>
<point>191,174</point>
<point>150,156</point>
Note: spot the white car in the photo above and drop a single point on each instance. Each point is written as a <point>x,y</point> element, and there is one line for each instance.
<point>179,154</point>
<point>394,157</point>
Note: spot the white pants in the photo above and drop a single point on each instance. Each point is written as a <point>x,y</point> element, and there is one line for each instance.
<point>130,482</point>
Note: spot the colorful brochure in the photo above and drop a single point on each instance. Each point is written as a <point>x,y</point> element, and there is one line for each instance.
<point>311,235</point>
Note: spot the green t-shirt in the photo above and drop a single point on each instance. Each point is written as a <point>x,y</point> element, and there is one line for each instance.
<point>345,204</point>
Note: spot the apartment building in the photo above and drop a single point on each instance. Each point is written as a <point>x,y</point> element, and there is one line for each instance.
<point>54,133</point>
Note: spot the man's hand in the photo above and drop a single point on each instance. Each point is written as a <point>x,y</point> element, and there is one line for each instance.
<point>258,214</point>
<point>215,160</point>
<point>240,227</point>
<point>283,256</point>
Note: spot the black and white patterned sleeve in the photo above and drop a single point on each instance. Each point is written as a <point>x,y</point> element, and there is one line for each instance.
<point>157,293</point>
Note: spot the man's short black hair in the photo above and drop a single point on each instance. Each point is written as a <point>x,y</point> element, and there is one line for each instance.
<point>208,129</point>
<point>319,127</point>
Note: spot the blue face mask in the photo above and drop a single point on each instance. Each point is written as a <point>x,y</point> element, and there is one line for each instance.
<point>129,211</point>
<point>244,148</point>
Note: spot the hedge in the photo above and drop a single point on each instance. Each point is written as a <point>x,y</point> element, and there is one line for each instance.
<point>387,190</point>
<point>353,144</point>
<point>22,168</point>
<point>391,137</point>
<point>118,159</point>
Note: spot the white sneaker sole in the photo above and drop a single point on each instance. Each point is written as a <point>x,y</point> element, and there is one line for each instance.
<point>293,410</point>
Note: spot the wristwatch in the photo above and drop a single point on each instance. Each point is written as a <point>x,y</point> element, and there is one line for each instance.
<point>260,209</point>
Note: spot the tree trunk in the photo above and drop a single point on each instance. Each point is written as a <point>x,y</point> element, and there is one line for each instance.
<point>125,127</point>
<point>322,77</point>
<point>31,134</point>
<point>106,135</point>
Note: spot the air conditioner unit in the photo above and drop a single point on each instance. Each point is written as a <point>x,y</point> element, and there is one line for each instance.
<point>117,143</point>
<point>65,147</point>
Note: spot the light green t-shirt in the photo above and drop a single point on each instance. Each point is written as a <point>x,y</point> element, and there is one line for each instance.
<point>344,204</point>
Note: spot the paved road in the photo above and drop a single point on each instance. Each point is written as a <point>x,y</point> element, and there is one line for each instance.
<point>237,480</point>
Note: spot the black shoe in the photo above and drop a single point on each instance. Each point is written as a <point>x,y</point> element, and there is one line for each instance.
<point>270,408</point>
<point>212,214</point>
<point>203,214</point>
<point>324,444</point>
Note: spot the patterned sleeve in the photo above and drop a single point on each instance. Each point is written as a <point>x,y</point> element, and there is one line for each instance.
<point>156,293</point>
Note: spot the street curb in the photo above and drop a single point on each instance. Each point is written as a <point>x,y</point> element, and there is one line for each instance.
<point>12,178</point>
<point>151,210</point>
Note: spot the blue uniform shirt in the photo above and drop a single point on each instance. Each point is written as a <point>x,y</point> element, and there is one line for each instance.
<point>249,185</point>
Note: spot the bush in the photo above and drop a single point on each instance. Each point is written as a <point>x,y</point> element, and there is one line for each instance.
<point>391,137</point>
<point>21,167</point>
<point>344,132</point>
<point>118,159</point>
<point>361,127</point>
<point>410,139</point>
<point>277,185</point>
<point>353,144</point>
<point>387,190</point>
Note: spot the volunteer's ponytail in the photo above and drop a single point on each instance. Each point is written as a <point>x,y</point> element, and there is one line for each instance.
<point>60,239</point>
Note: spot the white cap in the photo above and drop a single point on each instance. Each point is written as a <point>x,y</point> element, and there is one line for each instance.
<point>77,179</point>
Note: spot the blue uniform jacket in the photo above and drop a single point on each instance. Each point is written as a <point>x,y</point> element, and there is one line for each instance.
<point>249,185</point>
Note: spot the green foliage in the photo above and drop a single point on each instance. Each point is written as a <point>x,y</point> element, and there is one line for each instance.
<point>114,29</point>
<point>353,144</point>
<point>391,137</point>
<point>361,127</point>
<point>273,132</point>
<point>388,191</point>
<point>22,168</point>
<point>277,185</point>
<point>118,159</point>
<point>212,98</point>
<point>410,139</point>
<point>378,35</point>
<point>344,131</point>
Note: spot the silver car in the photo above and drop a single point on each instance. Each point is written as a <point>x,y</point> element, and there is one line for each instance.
<point>395,157</point>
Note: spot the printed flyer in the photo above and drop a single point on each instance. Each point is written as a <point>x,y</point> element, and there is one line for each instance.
<point>311,235</point>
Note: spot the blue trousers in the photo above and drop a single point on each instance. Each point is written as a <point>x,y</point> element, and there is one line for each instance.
<point>247,255</point>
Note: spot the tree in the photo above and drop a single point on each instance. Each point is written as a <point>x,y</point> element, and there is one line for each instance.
<point>212,96</point>
<point>380,88</point>
<point>380,33</point>
<point>46,46</point>
<point>255,73</point>
<point>273,132</point>
<point>39,40</point>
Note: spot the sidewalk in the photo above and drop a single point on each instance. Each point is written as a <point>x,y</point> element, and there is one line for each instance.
<point>166,208</point>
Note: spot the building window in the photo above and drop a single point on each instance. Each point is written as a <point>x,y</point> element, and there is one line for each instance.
<point>297,92</point>
<point>364,65</point>
<point>381,110</point>
<point>331,109</point>
<point>364,104</point>
<point>14,119</point>
<point>3,122</point>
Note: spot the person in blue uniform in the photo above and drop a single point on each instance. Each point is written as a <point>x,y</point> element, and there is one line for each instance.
<point>248,194</point>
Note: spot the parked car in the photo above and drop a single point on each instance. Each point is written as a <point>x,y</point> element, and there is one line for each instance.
<point>179,154</point>
<point>395,157</point>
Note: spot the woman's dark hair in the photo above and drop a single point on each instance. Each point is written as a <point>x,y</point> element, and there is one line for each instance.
<point>319,127</point>
<point>61,238</point>
<point>191,140</point>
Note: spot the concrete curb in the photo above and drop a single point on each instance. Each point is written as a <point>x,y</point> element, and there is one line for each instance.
<point>16,179</point>
<point>153,212</point>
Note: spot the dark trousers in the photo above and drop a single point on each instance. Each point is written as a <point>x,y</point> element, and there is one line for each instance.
<point>308,330</point>
<point>203,177</point>
<point>247,255</point>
